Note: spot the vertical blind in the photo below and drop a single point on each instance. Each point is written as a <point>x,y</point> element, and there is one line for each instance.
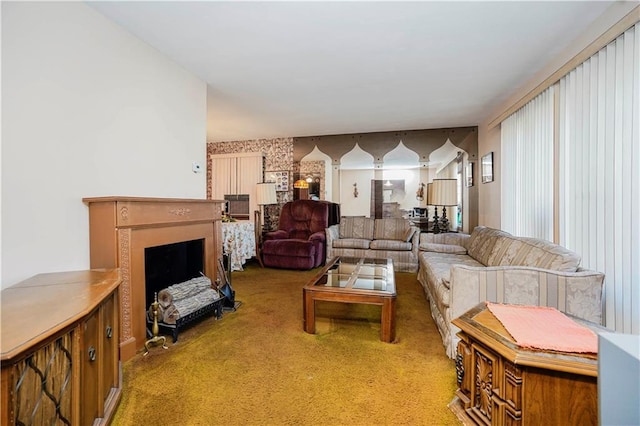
<point>599,172</point>
<point>527,168</point>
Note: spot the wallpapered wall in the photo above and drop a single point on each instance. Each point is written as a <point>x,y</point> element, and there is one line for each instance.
<point>278,156</point>
<point>286,153</point>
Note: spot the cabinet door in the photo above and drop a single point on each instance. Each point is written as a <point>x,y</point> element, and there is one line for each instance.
<point>485,364</point>
<point>90,369</point>
<point>109,351</point>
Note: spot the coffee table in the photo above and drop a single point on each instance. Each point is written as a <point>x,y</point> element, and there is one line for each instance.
<point>354,280</point>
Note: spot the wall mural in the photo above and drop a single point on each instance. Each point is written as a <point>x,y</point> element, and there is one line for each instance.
<point>287,154</point>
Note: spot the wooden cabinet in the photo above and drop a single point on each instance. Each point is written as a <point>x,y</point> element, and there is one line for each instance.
<point>503,384</point>
<point>60,356</point>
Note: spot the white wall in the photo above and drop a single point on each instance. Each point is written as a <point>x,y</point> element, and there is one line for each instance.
<point>355,206</point>
<point>88,110</point>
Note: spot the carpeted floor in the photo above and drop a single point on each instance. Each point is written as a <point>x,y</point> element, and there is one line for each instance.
<point>256,366</point>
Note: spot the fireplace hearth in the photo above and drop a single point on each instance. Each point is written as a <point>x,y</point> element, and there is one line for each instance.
<point>120,231</point>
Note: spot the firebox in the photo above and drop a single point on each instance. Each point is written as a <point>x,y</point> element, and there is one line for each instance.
<point>170,264</point>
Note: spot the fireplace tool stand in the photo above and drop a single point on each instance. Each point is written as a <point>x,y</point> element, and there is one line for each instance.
<point>155,329</point>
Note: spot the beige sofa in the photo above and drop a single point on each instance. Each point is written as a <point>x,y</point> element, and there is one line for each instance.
<point>361,236</point>
<point>458,271</point>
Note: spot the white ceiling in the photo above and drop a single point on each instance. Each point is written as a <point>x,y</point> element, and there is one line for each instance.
<point>277,69</point>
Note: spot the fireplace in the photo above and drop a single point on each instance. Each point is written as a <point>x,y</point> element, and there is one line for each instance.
<point>121,229</point>
<point>170,264</point>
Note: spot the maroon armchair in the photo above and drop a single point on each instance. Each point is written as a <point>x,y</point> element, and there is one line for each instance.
<point>299,242</point>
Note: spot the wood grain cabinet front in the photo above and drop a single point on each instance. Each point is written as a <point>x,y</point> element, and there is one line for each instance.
<point>60,357</point>
<point>500,383</point>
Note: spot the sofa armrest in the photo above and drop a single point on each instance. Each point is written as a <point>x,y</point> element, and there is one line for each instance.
<point>449,238</point>
<point>331,233</point>
<point>575,293</point>
<point>415,241</point>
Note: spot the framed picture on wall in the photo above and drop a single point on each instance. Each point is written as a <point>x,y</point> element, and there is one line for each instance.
<point>281,179</point>
<point>469,174</point>
<point>487,168</point>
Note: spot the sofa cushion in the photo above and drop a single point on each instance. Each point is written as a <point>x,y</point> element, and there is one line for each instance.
<point>520,251</point>
<point>356,227</point>
<point>359,243</point>
<point>391,228</point>
<point>438,265</point>
<point>483,242</point>
<point>443,248</point>
<point>390,245</point>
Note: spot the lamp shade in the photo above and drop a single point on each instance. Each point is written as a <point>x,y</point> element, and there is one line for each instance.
<point>301,184</point>
<point>445,192</point>
<point>266,193</point>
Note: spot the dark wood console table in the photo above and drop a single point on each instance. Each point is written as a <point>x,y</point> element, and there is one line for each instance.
<point>503,384</point>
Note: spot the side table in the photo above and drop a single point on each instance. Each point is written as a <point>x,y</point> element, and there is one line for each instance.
<point>501,383</point>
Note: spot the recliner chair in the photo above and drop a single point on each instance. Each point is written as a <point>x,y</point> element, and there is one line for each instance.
<point>299,242</point>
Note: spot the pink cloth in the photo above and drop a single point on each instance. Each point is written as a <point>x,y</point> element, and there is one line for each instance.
<point>541,327</point>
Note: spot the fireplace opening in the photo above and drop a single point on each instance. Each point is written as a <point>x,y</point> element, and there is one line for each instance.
<point>171,264</point>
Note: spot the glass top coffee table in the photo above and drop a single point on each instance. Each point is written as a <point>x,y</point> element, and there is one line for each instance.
<point>354,280</point>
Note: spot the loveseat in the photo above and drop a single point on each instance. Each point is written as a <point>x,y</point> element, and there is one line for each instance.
<point>360,236</point>
<point>458,271</point>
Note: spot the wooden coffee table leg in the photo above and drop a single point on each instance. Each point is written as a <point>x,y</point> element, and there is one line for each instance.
<point>388,320</point>
<point>309,314</point>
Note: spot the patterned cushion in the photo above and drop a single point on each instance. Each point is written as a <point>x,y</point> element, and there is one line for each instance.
<point>439,264</point>
<point>483,241</point>
<point>391,228</point>
<point>358,243</point>
<point>390,245</point>
<point>356,227</point>
<point>443,248</point>
<point>518,251</point>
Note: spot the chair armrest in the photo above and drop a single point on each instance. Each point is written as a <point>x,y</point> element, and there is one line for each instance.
<point>276,235</point>
<point>317,236</point>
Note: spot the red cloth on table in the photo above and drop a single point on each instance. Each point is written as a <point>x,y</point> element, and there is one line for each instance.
<point>541,327</point>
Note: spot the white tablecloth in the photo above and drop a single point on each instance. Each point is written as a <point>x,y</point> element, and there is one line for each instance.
<point>238,239</point>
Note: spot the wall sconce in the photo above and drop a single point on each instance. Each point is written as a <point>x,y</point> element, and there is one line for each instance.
<point>355,190</point>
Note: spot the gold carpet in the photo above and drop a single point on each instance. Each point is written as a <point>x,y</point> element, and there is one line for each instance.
<point>256,366</point>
